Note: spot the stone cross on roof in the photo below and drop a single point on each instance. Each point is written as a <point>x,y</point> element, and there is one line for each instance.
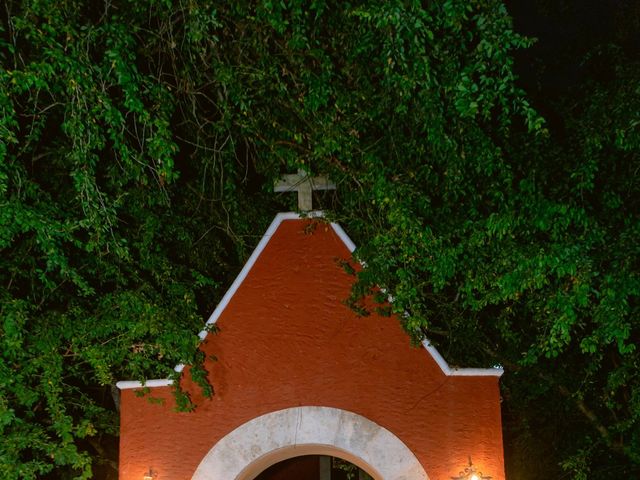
<point>304,185</point>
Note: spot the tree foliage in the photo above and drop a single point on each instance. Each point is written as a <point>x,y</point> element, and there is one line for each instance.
<point>138,145</point>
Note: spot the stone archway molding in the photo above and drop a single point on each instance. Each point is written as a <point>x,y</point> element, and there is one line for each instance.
<point>256,445</point>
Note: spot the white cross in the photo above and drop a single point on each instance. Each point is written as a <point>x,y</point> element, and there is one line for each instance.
<point>304,185</point>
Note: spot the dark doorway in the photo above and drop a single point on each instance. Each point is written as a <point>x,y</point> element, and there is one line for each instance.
<point>313,467</point>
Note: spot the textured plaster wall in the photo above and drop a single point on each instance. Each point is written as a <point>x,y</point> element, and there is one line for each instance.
<point>287,340</point>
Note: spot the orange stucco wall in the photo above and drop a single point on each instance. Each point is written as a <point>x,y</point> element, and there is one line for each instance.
<point>286,340</point>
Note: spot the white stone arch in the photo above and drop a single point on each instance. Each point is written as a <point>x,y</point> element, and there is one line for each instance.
<point>266,440</point>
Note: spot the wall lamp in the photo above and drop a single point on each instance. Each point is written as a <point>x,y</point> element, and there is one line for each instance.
<point>470,473</point>
<point>150,475</point>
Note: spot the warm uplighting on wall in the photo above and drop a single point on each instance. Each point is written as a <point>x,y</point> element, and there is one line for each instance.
<point>151,475</point>
<point>470,473</point>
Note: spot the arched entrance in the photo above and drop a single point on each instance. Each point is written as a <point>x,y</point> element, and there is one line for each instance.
<point>256,445</point>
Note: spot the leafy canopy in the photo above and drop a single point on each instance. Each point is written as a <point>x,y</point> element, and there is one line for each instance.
<point>138,145</point>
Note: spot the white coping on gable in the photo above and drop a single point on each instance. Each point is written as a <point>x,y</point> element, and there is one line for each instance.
<point>213,318</point>
<point>459,372</point>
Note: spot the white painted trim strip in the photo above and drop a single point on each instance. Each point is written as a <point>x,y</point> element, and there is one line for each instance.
<point>442,363</point>
<point>459,372</point>
<point>279,218</point>
<point>213,318</point>
<point>246,269</point>
<point>344,237</point>
<point>125,384</point>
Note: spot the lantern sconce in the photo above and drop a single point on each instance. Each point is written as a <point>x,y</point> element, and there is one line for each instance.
<point>150,475</point>
<point>470,473</point>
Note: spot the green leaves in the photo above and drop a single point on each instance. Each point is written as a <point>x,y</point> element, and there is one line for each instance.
<point>138,144</point>
<point>92,288</point>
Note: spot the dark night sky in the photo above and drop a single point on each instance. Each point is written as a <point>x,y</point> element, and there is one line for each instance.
<point>566,31</point>
<point>555,67</point>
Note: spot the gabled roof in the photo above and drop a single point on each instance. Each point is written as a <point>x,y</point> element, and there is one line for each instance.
<point>444,366</point>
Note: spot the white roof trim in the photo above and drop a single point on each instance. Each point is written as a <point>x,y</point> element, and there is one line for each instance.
<point>280,217</point>
<point>164,382</point>
<point>344,237</point>
<point>459,372</point>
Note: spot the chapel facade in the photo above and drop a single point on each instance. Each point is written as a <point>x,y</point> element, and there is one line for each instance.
<point>298,374</point>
